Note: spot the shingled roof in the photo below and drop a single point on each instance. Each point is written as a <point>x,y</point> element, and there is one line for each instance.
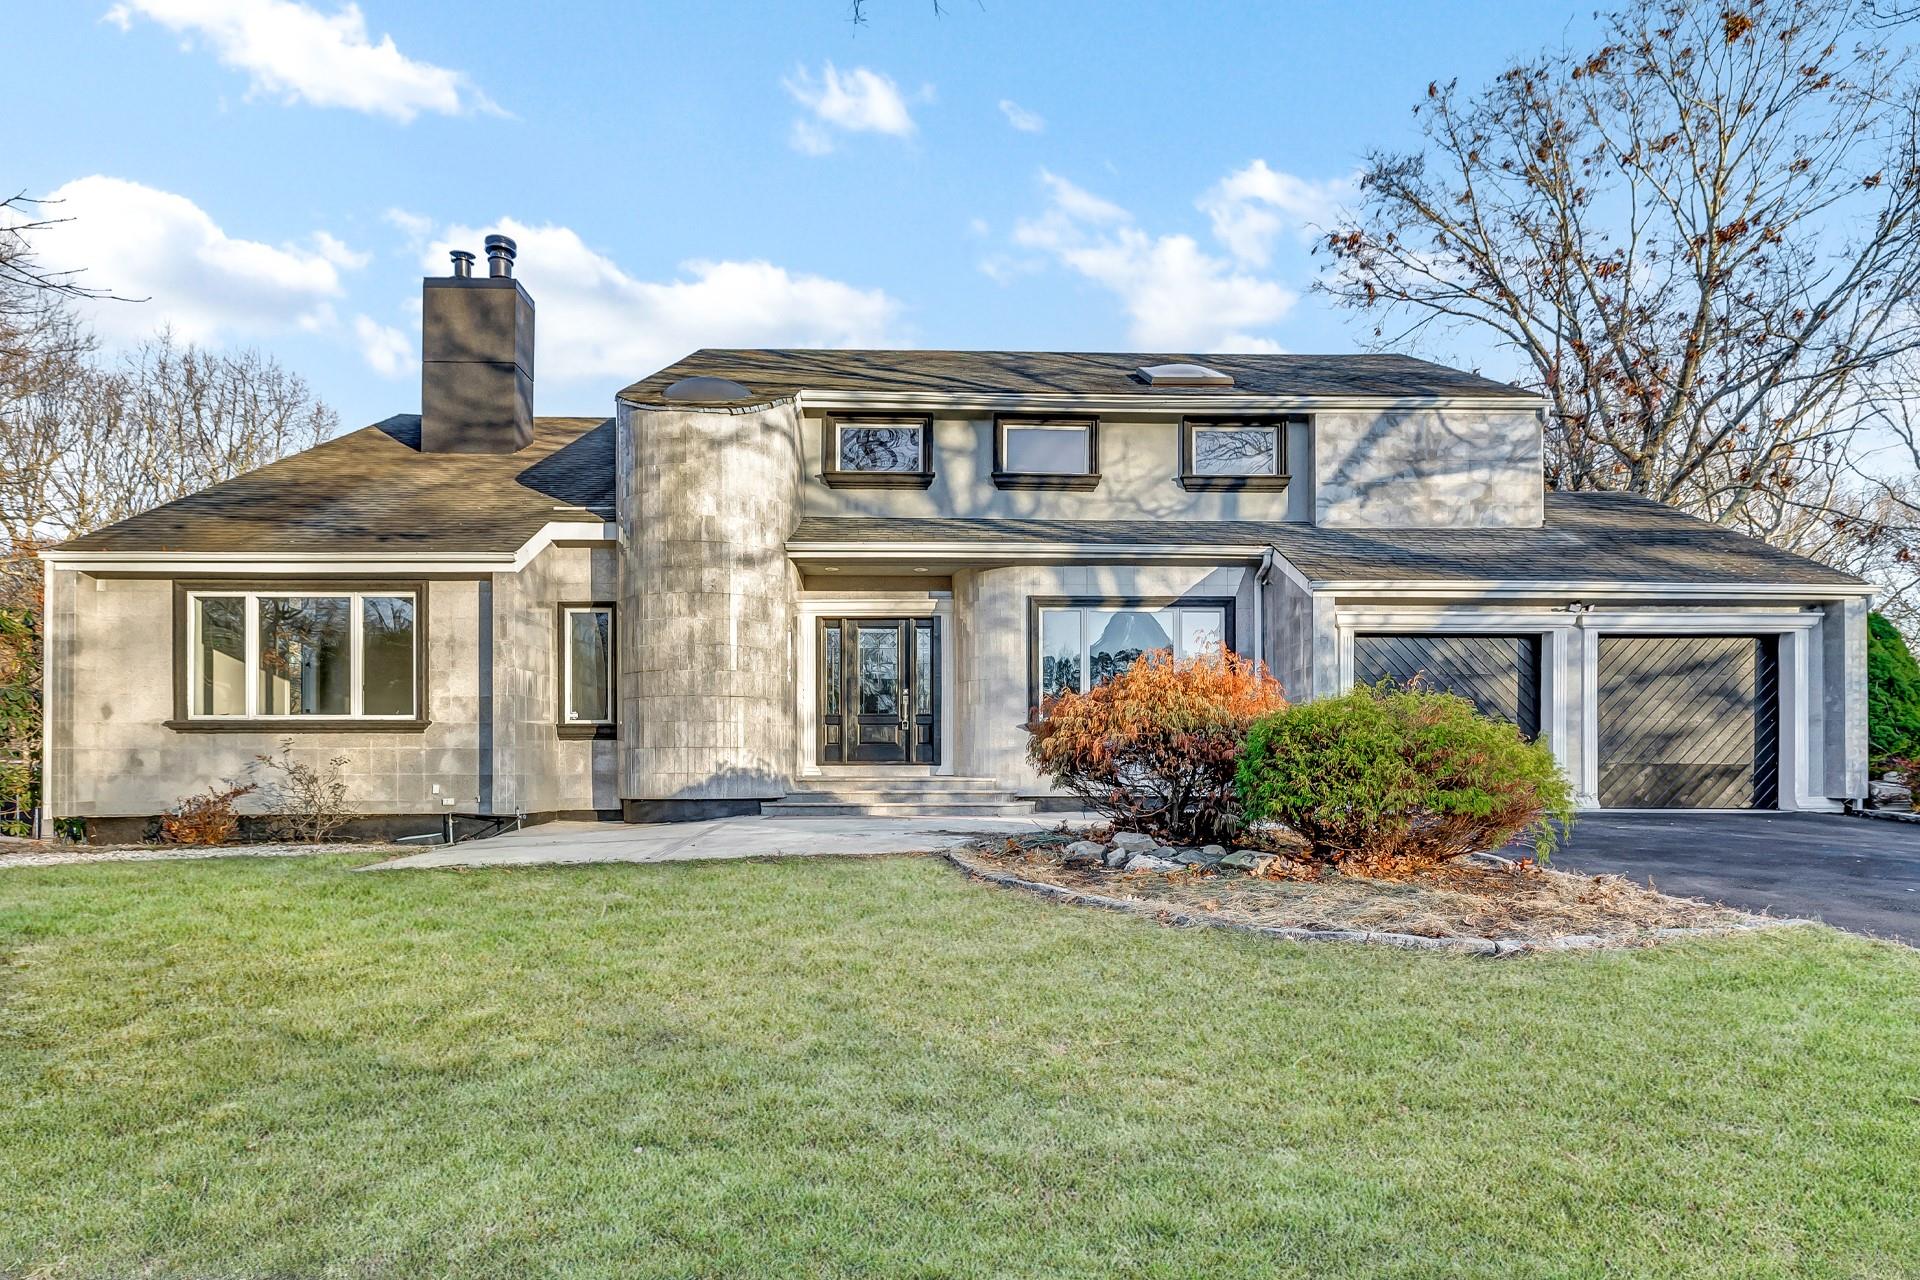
<point>774,374</point>
<point>372,490</point>
<point>1606,536</point>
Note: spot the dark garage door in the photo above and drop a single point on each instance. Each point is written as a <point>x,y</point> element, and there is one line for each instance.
<point>1500,674</point>
<point>1688,722</point>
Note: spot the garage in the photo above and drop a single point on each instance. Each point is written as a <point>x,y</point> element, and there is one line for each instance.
<point>1688,722</point>
<point>1499,674</point>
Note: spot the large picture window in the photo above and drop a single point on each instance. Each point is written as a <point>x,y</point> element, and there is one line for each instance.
<point>312,654</point>
<point>586,665</point>
<point>1078,645</point>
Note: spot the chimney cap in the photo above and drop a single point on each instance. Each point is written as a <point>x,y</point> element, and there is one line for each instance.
<point>462,263</point>
<point>500,255</point>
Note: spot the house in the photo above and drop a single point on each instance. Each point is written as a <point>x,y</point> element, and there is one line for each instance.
<point>814,581</point>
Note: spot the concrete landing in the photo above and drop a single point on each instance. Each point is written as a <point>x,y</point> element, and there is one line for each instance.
<point>559,843</point>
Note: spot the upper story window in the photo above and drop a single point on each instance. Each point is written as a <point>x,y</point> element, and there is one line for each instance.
<point>1233,453</point>
<point>1046,453</point>
<point>320,654</point>
<point>586,670</point>
<point>878,452</point>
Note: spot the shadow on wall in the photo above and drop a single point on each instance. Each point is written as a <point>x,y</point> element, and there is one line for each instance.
<point>1431,447</point>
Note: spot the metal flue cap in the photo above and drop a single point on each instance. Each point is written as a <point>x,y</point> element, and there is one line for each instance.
<point>462,263</point>
<point>500,253</point>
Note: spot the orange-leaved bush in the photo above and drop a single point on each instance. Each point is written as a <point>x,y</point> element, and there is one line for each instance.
<point>1153,749</point>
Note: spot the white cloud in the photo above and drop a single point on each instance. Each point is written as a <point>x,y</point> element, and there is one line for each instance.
<point>297,53</point>
<point>141,242</point>
<point>858,101</point>
<point>1177,296</point>
<point>597,321</point>
<point>1250,208</point>
<point>339,253</point>
<point>1020,118</point>
<point>387,350</point>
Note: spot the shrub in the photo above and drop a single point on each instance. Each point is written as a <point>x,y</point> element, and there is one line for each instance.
<point>303,803</point>
<point>1893,694</point>
<point>203,819</point>
<point>1153,748</point>
<point>1386,781</point>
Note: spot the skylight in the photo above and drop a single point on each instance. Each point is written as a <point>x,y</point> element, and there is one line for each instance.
<point>1183,375</point>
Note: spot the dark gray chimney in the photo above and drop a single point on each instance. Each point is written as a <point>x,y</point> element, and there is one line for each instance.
<point>476,369</point>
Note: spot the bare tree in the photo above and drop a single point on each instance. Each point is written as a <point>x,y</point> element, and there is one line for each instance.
<point>1698,237</point>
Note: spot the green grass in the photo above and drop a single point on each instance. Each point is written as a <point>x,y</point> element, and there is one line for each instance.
<point>864,1068</point>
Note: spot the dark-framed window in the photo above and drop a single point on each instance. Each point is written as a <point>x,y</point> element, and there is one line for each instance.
<point>1046,452</point>
<point>588,667</point>
<point>1077,642</point>
<point>1233,453</point>
<point>877,451</point>
<point>299,656</point>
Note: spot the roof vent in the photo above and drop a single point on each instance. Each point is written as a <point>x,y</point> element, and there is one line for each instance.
<point>705,390</point>
<point>1182,375</point>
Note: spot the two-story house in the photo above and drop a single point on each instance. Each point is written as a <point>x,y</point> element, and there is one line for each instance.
<point>806,580</point>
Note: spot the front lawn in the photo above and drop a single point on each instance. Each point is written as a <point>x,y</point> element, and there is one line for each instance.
<point>874,1067</point>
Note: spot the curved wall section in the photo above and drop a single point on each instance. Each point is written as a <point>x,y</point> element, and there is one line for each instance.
<point>707,499</point>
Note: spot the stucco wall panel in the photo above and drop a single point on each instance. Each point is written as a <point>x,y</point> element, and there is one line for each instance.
<point>1428,468</point>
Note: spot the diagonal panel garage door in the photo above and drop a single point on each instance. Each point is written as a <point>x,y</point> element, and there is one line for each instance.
<point>1499,674</point>
<point>1688,722</point>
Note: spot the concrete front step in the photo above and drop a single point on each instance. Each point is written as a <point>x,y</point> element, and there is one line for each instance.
<point>994,807</point>
<point>921,783</point>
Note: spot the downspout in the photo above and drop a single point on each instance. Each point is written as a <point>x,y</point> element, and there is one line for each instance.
<point>1269,561</point>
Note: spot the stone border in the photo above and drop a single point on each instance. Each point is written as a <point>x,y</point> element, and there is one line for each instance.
<point>1885,815</point>
<point>1406,941</point>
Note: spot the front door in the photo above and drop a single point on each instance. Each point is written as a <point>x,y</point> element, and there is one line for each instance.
<point>878,691</point>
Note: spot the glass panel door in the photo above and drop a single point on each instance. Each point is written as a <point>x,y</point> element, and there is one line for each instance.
<point>877,697</point>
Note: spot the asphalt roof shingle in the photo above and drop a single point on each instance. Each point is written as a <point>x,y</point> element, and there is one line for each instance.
<point>773,374</point>
<point>1609,537</point>
<point>372,490</point>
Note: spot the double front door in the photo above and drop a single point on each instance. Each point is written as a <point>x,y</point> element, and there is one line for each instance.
<point>878,690</point>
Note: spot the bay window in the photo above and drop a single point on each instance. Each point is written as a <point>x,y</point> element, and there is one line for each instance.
<point>325,653</point>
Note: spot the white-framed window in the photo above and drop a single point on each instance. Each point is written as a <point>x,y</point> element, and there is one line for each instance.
<point>586,664</point>
<point>1078,646</point>
<point>310,654</point>
<point>1045,447</point>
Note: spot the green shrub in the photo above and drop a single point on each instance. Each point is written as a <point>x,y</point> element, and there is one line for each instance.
<point>1386,781</point>
<point>1893,694</point>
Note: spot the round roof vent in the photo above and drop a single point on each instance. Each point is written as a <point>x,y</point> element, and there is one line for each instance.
<point>705,390</point>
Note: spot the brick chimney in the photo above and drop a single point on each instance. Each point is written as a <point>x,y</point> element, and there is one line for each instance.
<point>476,371</point>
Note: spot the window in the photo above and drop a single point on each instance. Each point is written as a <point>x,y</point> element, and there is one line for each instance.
<point>1224,453</point>
<point>586,666</point>
<point>319,654</point>
<point>878,452</point>
<point>1078,645</point>
<point>1046,453</point>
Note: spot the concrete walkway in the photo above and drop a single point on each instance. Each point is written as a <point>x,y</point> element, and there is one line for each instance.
<point>555,843</point>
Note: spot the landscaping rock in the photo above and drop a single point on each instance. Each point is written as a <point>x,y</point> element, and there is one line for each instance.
<point>1083,853</point>
<point>1164,852</point>
<point>1214,852</point>
<point>1117,857</point>
<point>1889,793</point>
<point>1135,842</point>
<point>1195,858</point>
<point>1147,862</point>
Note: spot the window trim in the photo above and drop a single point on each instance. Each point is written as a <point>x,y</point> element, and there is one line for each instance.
<point>830,470</point>
<point>1077,481</point>
<point>1035,604</point>
<point>1196,483</point>
<point>608,728</point>
<point>186,721</point>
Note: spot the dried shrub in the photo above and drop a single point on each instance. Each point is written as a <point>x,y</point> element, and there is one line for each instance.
<point>302,803</point>
<point>1153,749</point>
<point>1392,782</point>
<point>204,819</point>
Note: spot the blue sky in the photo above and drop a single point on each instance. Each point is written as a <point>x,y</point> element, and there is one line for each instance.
<point>1061,175</point>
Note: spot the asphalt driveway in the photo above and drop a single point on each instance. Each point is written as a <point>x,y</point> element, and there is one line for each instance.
<point>1857,873</point>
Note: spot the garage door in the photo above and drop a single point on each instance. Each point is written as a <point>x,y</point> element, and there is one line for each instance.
<point>1688,722</point>
<point>1499,674</point>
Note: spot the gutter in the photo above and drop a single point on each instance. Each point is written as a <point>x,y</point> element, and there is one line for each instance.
<point>364,562</point>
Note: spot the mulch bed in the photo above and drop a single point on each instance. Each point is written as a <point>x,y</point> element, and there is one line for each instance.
<point>1483,905</point>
